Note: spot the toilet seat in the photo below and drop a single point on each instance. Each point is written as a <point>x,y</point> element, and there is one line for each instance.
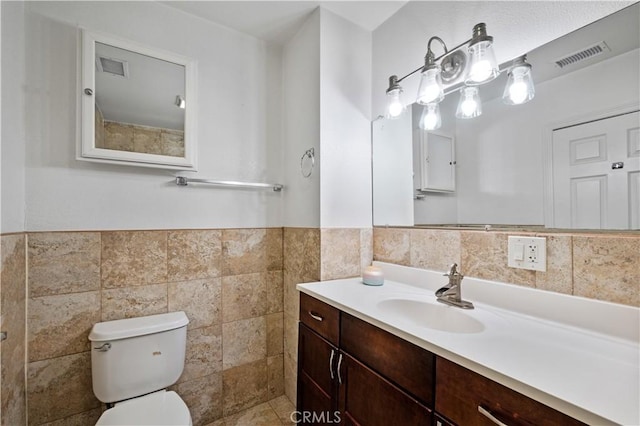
<point>159,408</point>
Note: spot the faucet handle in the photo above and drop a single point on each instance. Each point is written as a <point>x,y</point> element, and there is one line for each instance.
<point>453,271</point>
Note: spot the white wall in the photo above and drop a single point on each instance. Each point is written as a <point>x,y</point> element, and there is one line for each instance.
<point>345,115</point>
<point>13,119</point>
<point>301,112</point>
<point>238,130</point>
<point>400,43</point>
<point>500,154</point>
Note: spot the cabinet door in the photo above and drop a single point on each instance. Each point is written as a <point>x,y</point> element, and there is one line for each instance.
<point>463,396</point>
<point>437,162</point>
<point>367,399</point>
<point>317,387</point>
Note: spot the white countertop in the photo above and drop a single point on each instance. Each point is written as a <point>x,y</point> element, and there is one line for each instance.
<point>577,355</point>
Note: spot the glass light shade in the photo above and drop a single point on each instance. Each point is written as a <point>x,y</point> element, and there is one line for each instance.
<point>519,88</point>
<point>395,104</point>
<point>482,65</point>
<point>469,105</point>
<point>430,119</point>
<point>430,89</point>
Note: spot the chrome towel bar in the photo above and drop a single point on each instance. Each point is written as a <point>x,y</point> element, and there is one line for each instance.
<point>184,181</point>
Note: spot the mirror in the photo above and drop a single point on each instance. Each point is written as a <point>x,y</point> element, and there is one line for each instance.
<point>138,105</point>
<point>533,165</point>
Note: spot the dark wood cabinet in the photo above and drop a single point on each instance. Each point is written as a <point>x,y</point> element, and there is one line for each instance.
<point>353,373</point>
<point>462,396</point>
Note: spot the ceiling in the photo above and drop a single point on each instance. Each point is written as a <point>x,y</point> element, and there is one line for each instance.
<point>278,21</point>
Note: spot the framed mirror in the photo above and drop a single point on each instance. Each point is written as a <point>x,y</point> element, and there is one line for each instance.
<point>138,105</point>
<point>568,159</point>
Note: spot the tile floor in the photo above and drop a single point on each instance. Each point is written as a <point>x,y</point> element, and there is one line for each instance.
<point>276,412</point>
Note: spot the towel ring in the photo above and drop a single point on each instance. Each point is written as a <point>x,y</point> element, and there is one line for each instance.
<point>309,154</point>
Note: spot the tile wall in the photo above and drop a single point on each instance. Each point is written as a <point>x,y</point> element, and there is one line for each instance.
<point>596,265</point>
<point>229,282</point>
<point>12,310</point>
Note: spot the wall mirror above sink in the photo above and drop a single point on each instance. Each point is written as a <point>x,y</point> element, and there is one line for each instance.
<point>567,159</point>
<point>138,105</point>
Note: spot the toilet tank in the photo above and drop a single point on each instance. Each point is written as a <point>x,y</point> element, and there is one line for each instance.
<point>136,356</point>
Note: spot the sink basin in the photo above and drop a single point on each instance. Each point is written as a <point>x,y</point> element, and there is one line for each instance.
<point>431,315</point>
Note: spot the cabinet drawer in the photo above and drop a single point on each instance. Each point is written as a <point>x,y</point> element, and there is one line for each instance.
<point>320,317</point>
<point>459,393</point>
<point>405,364</point>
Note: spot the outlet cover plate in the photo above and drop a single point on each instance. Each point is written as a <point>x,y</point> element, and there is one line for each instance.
<point>527,253</point>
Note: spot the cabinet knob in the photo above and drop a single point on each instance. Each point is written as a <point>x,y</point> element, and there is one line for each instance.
<point>88,91</point>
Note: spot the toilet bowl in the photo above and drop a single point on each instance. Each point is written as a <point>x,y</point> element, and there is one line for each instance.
<point>133,361</point>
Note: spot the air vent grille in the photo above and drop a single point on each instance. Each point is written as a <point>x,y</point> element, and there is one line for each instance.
<point>582,54</point>
<point>113,66</point>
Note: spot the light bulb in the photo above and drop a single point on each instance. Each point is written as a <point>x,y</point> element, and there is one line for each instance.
<point>430,89</point>
<point>518,92</point>
<point>395,106</point>
<point>431,119</point>
<point>519,88</point>
<point>483,66</point>
<point>469,105</point>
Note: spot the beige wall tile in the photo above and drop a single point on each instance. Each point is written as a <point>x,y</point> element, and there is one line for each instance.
<point>63,262</point>
<point>559,274</point>
<point>290,355</point>
<point>275,292</point>
<point>133,258</point>
<point>340,253</point>
<point>204,352</point>
<point>244,296</point>
<point>302,254</point>
<point>291,295</point>
<point>60,387</point>
<point>118,136</point>
<point>147,140</point>
<point>392,245</point>
<point>244,386</point>
<point>203,396</point>
<point>201,300</point>
<point>275,334</point>
<point>275,373</point>
<point>274,249</point>
<point>244,251</point>
<point>244,341</point>
<point>172,143</point>
<point>60,325</point>
<point>484,255</point>
<point>13,309</point>
<point>290,378</point>
<point>83,419</point>
<point>194,254</point>
<point>130,302</point>
<point>434,249</point>
<point>366,247</point>
<point>606,268</point>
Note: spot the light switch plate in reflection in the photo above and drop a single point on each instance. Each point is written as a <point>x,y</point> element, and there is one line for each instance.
<point>528,253</point>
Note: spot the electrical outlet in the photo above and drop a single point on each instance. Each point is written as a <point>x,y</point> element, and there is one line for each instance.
<point>527,253</point>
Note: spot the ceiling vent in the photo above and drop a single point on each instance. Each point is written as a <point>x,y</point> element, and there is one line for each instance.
<point>582,54</point>
<point>113,66</point>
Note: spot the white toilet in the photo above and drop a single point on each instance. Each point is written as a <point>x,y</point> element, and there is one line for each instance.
<point>132,362</point>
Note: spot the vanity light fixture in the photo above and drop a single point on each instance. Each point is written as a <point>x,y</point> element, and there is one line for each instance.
<point>180,102</point>
<point>480,68</point>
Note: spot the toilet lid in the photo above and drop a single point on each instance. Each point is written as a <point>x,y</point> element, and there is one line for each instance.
<point>159,408</point>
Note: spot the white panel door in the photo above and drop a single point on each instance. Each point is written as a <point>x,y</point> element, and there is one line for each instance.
<point>596,174</point>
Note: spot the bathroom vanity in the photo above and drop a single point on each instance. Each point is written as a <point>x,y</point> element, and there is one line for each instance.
<point>393,355</point>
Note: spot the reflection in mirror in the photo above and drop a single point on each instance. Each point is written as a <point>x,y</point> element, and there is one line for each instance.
<point>135,102</point>
<point>532,165</point>
<point>138,105</point>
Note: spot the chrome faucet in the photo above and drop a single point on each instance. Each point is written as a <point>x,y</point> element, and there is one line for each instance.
<point>451,294</point>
